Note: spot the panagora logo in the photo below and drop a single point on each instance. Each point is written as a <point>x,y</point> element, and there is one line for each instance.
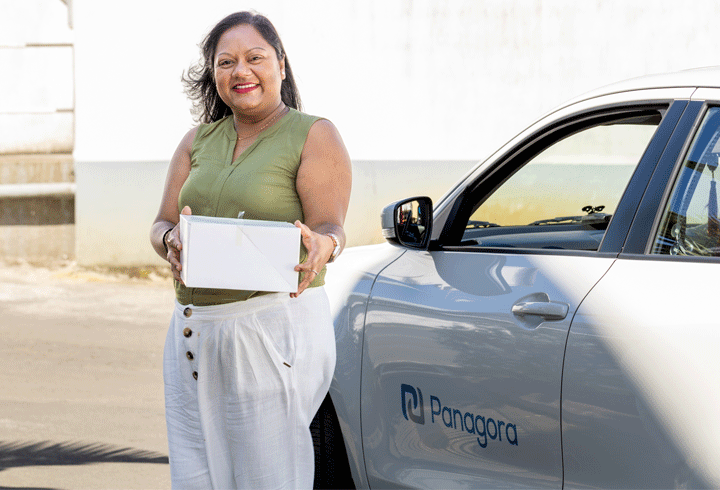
<point>413,409</point>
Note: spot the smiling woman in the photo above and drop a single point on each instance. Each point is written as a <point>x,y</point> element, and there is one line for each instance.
<point>246,371</point>
<point>200,79</point>
<point>246,73</point>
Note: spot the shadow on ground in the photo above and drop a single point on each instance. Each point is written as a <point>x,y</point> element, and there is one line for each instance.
<point>46,453</point>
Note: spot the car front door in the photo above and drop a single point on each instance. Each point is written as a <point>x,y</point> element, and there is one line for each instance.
<point>464,344</point>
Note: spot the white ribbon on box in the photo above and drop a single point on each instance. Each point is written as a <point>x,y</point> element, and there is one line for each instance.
<point>228,253</point>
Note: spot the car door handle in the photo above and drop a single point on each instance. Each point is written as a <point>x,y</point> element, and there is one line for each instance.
<point>546,310</point>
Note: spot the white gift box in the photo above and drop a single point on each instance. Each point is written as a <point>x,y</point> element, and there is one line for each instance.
<point>229,253</point>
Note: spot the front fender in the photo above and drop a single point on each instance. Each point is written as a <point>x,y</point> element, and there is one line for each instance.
<point>348,283</point>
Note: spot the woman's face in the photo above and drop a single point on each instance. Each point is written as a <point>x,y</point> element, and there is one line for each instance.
<point>248,74</point>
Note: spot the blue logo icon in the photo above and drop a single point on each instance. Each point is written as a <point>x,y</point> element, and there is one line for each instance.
<point>412,403</point>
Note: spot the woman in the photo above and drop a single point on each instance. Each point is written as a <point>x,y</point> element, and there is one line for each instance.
<point>245,371</point>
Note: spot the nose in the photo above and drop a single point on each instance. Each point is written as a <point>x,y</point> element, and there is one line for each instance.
<point>241,69</point>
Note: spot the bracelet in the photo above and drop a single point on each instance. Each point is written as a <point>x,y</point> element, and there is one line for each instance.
<point>336,250</point>
<point>163,240</point>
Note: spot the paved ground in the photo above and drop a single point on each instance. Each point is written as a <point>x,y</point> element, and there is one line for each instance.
<point>81,404</point>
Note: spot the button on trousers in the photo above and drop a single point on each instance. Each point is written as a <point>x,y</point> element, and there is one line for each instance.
<point>243,382</point>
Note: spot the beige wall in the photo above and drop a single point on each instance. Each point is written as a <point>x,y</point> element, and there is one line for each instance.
<point>117,202</point>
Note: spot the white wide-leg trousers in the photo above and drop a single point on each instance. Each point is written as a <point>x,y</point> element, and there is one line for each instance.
<point>243,382</point>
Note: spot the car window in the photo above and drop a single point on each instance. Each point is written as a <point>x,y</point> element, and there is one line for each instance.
<point>565,196</point>
<point>689,225</point>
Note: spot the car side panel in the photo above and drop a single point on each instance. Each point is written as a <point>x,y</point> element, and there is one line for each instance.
<point>457,391</point>
<point>641,383</point>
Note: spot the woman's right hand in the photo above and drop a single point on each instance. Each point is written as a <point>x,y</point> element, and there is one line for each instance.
<point>174,246</point>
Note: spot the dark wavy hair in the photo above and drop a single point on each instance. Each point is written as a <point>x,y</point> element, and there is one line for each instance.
<point>199,82</point>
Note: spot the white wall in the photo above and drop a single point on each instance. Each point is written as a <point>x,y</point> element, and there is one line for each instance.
<point>402,79</point>
<point>428,80</point>
<point>36,82</point>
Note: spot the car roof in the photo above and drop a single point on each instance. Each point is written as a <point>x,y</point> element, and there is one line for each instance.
<point>696,77</point>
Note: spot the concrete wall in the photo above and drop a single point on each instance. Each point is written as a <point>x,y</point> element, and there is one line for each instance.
<point>36,112</point>
<point>117,202</point>
<point>37,92</point>
<point>37,89</point>
<point>404,80</point>
<point>42,227</point>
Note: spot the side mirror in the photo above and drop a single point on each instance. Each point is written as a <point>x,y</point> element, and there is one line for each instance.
<point>408,222</point>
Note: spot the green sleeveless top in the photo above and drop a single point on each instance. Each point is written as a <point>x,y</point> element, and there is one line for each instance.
<point>261,182</point>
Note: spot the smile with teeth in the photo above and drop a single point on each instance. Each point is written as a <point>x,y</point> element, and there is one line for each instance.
<point>246,87</point>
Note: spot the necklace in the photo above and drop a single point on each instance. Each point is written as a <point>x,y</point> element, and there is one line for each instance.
<point>272,120</point>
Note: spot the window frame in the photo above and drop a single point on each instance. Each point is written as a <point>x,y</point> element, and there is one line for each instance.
<point>641,238</point>
<point>507,165</point>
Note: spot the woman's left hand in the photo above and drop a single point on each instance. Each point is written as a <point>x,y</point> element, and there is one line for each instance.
<point>323,184</point>
<point>320,248</point>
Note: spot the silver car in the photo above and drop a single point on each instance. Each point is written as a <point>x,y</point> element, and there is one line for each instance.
<point>552,321</point>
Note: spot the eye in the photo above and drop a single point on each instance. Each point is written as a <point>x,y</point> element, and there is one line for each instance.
<point>225,62</point>
<point>255,57</point>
